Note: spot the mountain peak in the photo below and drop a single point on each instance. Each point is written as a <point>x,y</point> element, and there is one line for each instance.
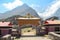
<point>22,6</point>
<point>25,5</point>
<point>20,10</point>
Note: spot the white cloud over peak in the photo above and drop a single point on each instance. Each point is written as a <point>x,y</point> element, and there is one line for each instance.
<point>12,5</point>
<point>51,10</point>
<point>35,6</point>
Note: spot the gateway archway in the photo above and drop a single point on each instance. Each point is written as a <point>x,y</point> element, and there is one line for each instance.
<point>28,30</point>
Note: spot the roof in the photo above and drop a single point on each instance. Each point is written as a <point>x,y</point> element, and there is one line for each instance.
<point>5,24</point>
<point>28,18</point>
<point>52,22</point>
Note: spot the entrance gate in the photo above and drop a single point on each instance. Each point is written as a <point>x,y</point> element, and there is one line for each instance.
<point>28,30</point>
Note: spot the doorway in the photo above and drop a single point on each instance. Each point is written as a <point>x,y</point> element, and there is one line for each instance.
<point>28,31</point>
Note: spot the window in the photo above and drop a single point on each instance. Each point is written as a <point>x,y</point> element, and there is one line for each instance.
<point>57,29</point>
<point>9,31</point>
<point>0,32</point>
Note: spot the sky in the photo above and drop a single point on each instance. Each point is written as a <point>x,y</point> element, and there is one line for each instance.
<point>38,5</point>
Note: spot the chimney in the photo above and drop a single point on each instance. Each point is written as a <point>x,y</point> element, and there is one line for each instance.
<point>46,22</point>
<point>2,21</point>
<point>10,24</point>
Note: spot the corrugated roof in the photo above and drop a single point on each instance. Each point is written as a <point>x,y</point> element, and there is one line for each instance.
<point>53,21</point>
<point>4,23</point>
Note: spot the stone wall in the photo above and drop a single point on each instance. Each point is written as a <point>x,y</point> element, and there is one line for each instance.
<point>53,36</point>
<point>6,37</point>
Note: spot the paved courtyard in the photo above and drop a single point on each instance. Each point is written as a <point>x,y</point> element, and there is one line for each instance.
<point>33,38</point>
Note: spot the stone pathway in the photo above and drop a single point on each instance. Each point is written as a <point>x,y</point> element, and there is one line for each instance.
<point>33,38</point>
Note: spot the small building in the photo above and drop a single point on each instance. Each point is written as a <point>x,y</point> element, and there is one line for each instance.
<point>5,28</point>
<point>52,26</point>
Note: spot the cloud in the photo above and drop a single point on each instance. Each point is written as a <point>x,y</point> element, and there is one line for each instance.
<point>35,6</point>
<point>12,5</point>
<point>51,10</point>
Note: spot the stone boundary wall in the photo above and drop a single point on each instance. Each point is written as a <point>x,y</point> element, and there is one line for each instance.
<point>6,37</point>
<point>53,36</point>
